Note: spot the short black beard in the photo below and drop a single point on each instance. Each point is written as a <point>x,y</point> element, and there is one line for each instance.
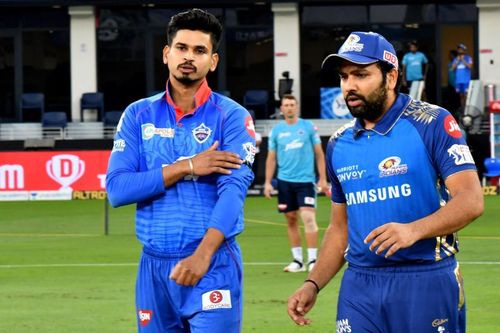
<point>186,80</point>
<point>373,106</point>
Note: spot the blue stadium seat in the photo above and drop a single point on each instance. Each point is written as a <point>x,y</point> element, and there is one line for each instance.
<point>92,101</point>
<point>492,166</point>
<point>32,101</point>
<point>258,101</point>
<point>111,118</point>
<point>54,119</point>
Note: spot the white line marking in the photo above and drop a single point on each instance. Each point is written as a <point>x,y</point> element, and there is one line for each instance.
<point>135,264</point>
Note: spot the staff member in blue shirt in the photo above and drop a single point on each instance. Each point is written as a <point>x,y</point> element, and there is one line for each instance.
<point>295,148</point>
<point>184,157</point>
<point>403,183</point>
<point>415,65</point>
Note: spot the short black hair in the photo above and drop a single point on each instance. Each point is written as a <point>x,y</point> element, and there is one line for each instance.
<point>385,68</point>
<point>195,19</point>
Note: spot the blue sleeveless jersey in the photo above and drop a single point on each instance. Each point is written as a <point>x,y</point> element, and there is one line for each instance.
<point>294,146</point>
<point>152,134</point>
<point>395,173</point>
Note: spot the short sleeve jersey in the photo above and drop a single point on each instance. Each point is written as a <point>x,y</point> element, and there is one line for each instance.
<point>294,147</point>
<point>462,72</point>
<point>413,65</point>
<point>395,172</point>
<point>152,134</point>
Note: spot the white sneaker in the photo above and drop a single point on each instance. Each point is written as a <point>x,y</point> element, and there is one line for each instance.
<point>310,265</point>
<point>294,267</point>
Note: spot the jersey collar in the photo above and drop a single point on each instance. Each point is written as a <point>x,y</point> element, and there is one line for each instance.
<point>389,119</point>
<point>201,96</point>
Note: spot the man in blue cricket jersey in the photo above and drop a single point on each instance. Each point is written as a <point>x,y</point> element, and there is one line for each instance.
<point>184,156</point>
<point>414,65</point>
<point>462,65</point>
<point>296,146</point>
<point>403,183</point>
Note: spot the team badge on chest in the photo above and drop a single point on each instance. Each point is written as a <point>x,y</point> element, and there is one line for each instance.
<point>201,133</point>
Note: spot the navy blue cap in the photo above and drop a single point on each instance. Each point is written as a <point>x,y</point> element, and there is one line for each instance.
<point>462,46</point>
<point>364,48</point>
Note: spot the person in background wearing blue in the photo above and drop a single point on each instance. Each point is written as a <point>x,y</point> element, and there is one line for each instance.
<point>462,65</point>
<point>184,157</point>
<point>415,65</point>
<point>403,183</point>
<point>295,144</point>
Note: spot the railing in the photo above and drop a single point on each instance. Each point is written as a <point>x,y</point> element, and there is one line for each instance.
<point>87,130</point>
<point>97,130</point>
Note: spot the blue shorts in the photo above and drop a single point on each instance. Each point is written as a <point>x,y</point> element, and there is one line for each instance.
<point>212,305</point>
<point>292,196</point>
<point>410,299</point>
<point>462,88</point>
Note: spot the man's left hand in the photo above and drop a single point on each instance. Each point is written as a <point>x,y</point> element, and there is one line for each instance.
<point>391,237</point>
<point>190,270</point>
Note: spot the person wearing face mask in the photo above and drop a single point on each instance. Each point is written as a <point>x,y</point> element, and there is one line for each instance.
<point>403,183</point>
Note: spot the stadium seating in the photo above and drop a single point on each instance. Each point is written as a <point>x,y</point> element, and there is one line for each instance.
<point>111,118</point>
<point>31,102</point>
<point>92,101</point>
<point>258,101</point>
<point>54,119</point>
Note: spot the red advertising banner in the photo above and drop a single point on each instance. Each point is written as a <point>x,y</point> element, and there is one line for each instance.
<point>54,175</point>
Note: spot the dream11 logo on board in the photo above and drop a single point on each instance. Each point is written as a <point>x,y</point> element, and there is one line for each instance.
<point>65,169</point>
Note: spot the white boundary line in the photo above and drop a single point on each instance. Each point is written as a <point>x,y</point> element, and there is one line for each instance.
<point>135,264</point>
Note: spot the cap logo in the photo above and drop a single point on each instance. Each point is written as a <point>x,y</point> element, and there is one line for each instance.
<point>391,58</point>
<point>351,44</point>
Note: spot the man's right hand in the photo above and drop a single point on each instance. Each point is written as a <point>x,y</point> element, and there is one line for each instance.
<point>301,302</point>
<point>214,161</point>
<point>268,189</point>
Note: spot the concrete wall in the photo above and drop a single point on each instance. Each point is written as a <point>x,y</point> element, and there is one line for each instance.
<point>287,44</point>
<point>83,55</point>
<point>489,43</point>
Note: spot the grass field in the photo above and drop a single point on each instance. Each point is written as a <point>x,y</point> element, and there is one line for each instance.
<point>59,273</point>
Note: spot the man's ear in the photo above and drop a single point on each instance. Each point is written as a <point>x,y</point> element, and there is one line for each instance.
<point>166,49</point>
<point>215,61</point>
<point>392,78</point>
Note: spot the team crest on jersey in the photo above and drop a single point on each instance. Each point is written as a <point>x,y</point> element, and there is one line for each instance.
<point>216,299</point>
<point>145,316</point>
<point>391,166</point>
<point>201,133</point>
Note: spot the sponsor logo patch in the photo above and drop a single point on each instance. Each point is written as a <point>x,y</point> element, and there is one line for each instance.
<point>201,133</point>
<point>216,299</point>
<point>343,326</point>
<point>118,145</point>
<point>309,200</point>
<point>250,126</point>
<point>461,154</point>
<point>149,130</point>
<point>391,166</point>
<point>145,316</point>
<point>391,58</point>
<point>451,127</point>
<point>295,144</point>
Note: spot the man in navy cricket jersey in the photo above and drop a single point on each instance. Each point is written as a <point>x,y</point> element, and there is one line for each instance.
<point>403,183</point>
<point>185,156</point>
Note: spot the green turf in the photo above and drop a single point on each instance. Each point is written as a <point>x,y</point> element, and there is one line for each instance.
<point>49,281</point>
